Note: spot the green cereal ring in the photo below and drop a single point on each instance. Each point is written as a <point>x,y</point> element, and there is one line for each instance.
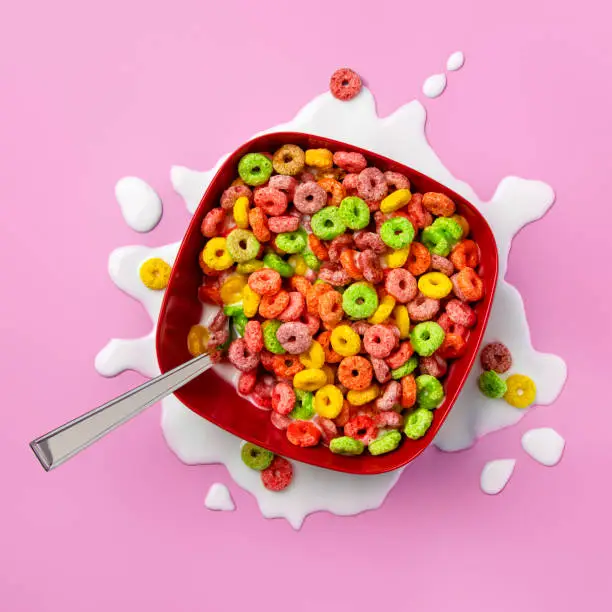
<point>255,457</point>
<point>327,223</point>
<point>435,240</point>
<point>247,267</point>
<point>254,169</point>
<point>239,320</point>
<point>311,260</point>
<point>291,242</point>
<point>405,369</point>
<point>304,409</point>
<point>430,392</point>
<point>232,310</point>
<point>276,262</point>
<point>354,212</point>
<point>492,385</point>
<point>385,444</point>
<point>300,394</point>
<point>417,423</point>
<point>450,228</point>
<point>426,338</point>
<point>242,245</point>
<point>359,301</point>
<point>397,232</point>
<point>346,446</point>
<point>269,329</point>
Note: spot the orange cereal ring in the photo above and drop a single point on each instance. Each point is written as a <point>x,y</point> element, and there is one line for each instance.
<point>469,284</point>
<point>452,347</point>
<point>438,204</point>
<point>317,247</point>
<point>335,191</point>
<point>348,261</point>
<point>324,339</point>
<point>409,391</point>
<point>265,281</point>
<point>207,269</point>
<point>355,373</point>
<point>259,224</point>
<point>419,259</point>
<point>345,414</point>
<point>330,308</point>
<point>272,305</point>
<point>314,295</point>
<point>465,255</point>
<point>286,366</point>
<point>301,284</point>
<point>463,222</point>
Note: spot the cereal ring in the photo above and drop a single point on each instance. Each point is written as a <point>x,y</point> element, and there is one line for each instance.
<point>369,240</point>
<point>253,337</point>
<point>155,273</point>
<point>465,255</point>
<point>461,313</point>
<point>310,379</point>
<point>409,391</point>
<point>294,308</point>
<point>209,293</point>
<point>435,285</point>
<point>314,357</point>
<point>401,285</point>
<point>301,284</point>
<point>216,254</point>
<point>344,445</point>
<point>334,274</point>
<point>231,195</point>
<point>450,327</point>
<point>402,321</point>
<point>277,263</point>
<point>361,428</point>
<point>384,310</point>
<point>468,285</point>
<point>334,189</point>
<point>521,391</point>
<point>438,204</point>
<point>259,224</point>
<point>283,223</point>
<point>304,409</point>
<point>327,223</point>
<point>417,423</point>
<point>345,341</point>
<point>441,264</point>
<point>379,341</point>
<point>350,184</point>
<point>396,181</point>
<point>211,225</point>
<point>360,327</point>
<point>354,212</point>
<point>400,356</point>
<point>254,169</point>
<point>241,357</point>
<point>395,200</point>
<point>453,347</point>
<point>289,160</point>
<point>296,261</point>
<point>426,338</point>
<point>419,259</point>
<point>309,198</point>
<point>280,421</point>
<point>246,382</point>
<point>359,301</point>
<point>197,340</point>
<point>330,373</point>
<point>450,228</point>
<point>278,475</point>
<point>355,373</point>
<point>369,264</point>
<point>390,397</point>
<point>465,226</point>
<point>272,201</point>
<point>313,297</point>
<point>348,260</point>
<point>330,307</point>
<point>317,247</point>
<point>331,356</point>
<point>241,213</point>
<point>385,444</point>
<point>294,337</point>
<point>328,402</point>
<point>337,245</point>
<point>286,366</point>
<point>406,369</point>
<point>255,457</point>
<point>491,385</point>
<point>496,356</point>
<point>267,358</point>
<point>283,398</point>
<point>265,281</point>
<point>423,308</point>
<point>328,428</point>
<point>397,232</point>
<point>382,372</point>
<point>397,258</point>
<point>430,392</point>
<point>345,414</point>
<point>344,84</point>
<point>291,242</point>
<point>273,305</point>
<point>436,241</point>
<point>371,184</point>
<point>286,184</point>
<point>389,420</point>
<point>434,366</point>
<point>321,159</point>
<point>271,342</point>
<point>349,161</point>
<point>419,217</point>
<point>242,245</point>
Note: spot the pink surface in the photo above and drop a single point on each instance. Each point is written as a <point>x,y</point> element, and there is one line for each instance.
<point>92,94</point>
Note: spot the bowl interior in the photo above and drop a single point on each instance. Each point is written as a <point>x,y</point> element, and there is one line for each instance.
<point>215,400</point>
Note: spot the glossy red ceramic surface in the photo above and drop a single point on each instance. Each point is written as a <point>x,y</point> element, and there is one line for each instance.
<point>217,401</point>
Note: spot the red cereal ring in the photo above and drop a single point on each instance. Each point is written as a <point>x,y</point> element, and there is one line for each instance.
<point>246,382</point>
<point>272,305</point>
<point>267,360</point>
<point>350,184</point>
<point>209,294</point>
<point>324,339</point>
<point>362,428</point>
<point>212,222</point>
<point>461,313</point>
<point>379,341</point>
<point>423,308</point>
<point>355,373</point>
<point>300,283</point>
<point>311,321</point>
<point>434,366</point>
<point>278,475</point>
<point>409,391</point>
<point>396,181</point>
<point>265,281</point>
<point>372,184</point>
<point>253,336</point>
<point>334,274</point>
<point>441,264</point>
<point>294,309</point>
<point>417,214</point>
<point>303,433</point>
<point>450,327</point>
<point>241,357</point>
<point>287,366</point>
<point>465,255</point>
<point>369,264</point>
<point>259,224</point>
<point>468,285</point>
<point>309,198</point>
<point>369,240</point>
<point>349,161</point>
<point>349,262</point>
<point>314,295</point>
<point>400,356</point>
<point>496,356</point>
<point>231,194</point>
<point>334,189</point>
<point>286,184</point>
<point>373,205</point>
<point>401,285</point>
<point>330,307</point>
<point>283,223</point>
<point>283,398</point>
<point>280,421</point>
<point>337,245</point>
<point>345,84</point>
<point>317,247</point>
<point>452,347</point>
<point>262,393</point>
<point>272,201</point>
<point>389,420</point>
<point>438,204</point>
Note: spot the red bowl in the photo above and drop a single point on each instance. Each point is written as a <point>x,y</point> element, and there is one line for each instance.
<point>215,400</point>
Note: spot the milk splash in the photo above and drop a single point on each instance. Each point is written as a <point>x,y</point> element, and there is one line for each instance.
<point>140,205</point>
<point>400,136</point>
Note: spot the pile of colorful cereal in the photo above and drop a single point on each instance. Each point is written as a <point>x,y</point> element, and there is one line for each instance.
<point>350,293</point>
<point>276,472</point>
<point>518,390</point>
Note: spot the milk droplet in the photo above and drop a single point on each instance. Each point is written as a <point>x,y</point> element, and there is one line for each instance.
<point>495,475</point>
<point>140,205</point>
<point>455,61</point>
<point>545,445</point>
<point>219,498</point>
<point>434,85</point>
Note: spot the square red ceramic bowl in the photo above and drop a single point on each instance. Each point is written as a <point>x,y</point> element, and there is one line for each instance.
<point>215,400</point>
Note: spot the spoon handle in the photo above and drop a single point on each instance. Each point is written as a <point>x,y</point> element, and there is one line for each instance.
<point>62,443</point>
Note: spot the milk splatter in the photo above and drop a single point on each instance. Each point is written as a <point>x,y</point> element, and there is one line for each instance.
<point>219,498</point>
<point>495,475</point>
<point>140,205</point>
<point>455,61</point>
<point>434,85</point>
<point>545,445</point>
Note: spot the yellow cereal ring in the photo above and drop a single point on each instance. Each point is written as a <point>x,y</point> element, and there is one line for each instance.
<point>155,273</point>
<point>384,310</point>
<point>345,341</point>
<point>319,158</point>
<point>359,398</point>
<point>435,285</point>
<point>330,373</point>
<point>314,357</point>
<point>397,258</point>
<point>521,391</point>
<point>231,289</point>
<point>197,340</point>
<point>298,264</point>
<point>250,302</point>
<point>402,320</point>
<point>237,181</point>
<point>310,380</point>
<point>328,402</point>
<point>216,255</point>
<point>241,212</point>
<point>246,267</point>
<point>396,200</point>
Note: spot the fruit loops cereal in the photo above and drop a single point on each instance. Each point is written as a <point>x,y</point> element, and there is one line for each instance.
<point>351,294</point>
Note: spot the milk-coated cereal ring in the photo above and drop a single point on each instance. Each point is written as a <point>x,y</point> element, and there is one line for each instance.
<point>294,337</point>
<point>361,428</point>
<point>259,224</point>
<point>417,423</point>
<point>354,212</point>
<point>468,285</point>
<point>496,356</point>
<point>283,398</point>
<point>328,401</point>
<point>521,391</point>
<point>435,285</point>
<point>385,444</point>
<point>253,336</point>
<point>155,273</point>
<point>369,240</point>
<point>255,457</point>
<point>289,160</point>
<point>310,379</point>
<point>242,245</point>
<point>345,341</point>
<point>278,475</point>
<point>309,198</point>
<point>349,262</point>
<point>355,373</point>
<point>369,264</point>
<point>438,204</point>
<point>345,84</point>
<point>453,347</point>
<point>433,365</point>
<point>231,194</point>
<point>359,301</point>
<point>334,274</point>
<point>294,308</point>
<point>491,385</point>
<point>344,445</point>
<point>419,259</point>
<point>246,382</point>
<point>466,254</point>
<point>426,338</point>
<point>254,169</point>
<point>265,281</point>
<point>379,341</point>
<point>401,285</point>
<point>349,161</point>
<point>436,241</point>
<point>396,180</point>
<point>334,189</point>
<point>283,223</point>
<point>441,264</point>
<point>241,357</point>
<point>400,356</point>
<point>324,339</point>
<point>328,428</point>
<point>272,201</point>
<point>330,307</point>
<point>423,308</point>
<point>390,396</point>
<point>395,200</point>
<point>211,225</point>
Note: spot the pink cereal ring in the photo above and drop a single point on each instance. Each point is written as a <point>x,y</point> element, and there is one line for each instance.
<point>241,357</point>
<point>382,371</point>
<point>369,264</point>
<point>350,184</point>
<point>360,327</point>
<point>334,274</point>
<point>372,184</point>
<point>231,194</point>
<point>396,181</point>
<point>311,321</point>
<point>441,264</point>
<point>390,396</point>
<point>419,217</point>
<point>286,184</point>
<point>306,177</point>
<point>423,308</point>
<point>461,313</point>
<point>272,201</point>
<point>373,205</point>
<point>283,223</point>
<point>345,84</point>
<point>280,421</point>
<point>450,327</point>
<point>283,398</point>
<point>246,382</point>
<point>219,322</point>
<point>294,337</point>
<point>389,420</point>
<point>211,225</point>
<point>328,428</point>
<point>379,341</point>
<point>337,245</point>
<point>401,285</point>
<point>434,366</point>
<point>351,162</point>
<point>295,308</point>
<point>379,219</point>
<point>253,336</point>
<point>309,198</point>
<point>267,360</point>
<point>401,356</point>
<point>369,240</point>
<point>262,395</point>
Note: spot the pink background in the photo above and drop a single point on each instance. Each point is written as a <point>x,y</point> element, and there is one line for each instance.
<point>90,94</point>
